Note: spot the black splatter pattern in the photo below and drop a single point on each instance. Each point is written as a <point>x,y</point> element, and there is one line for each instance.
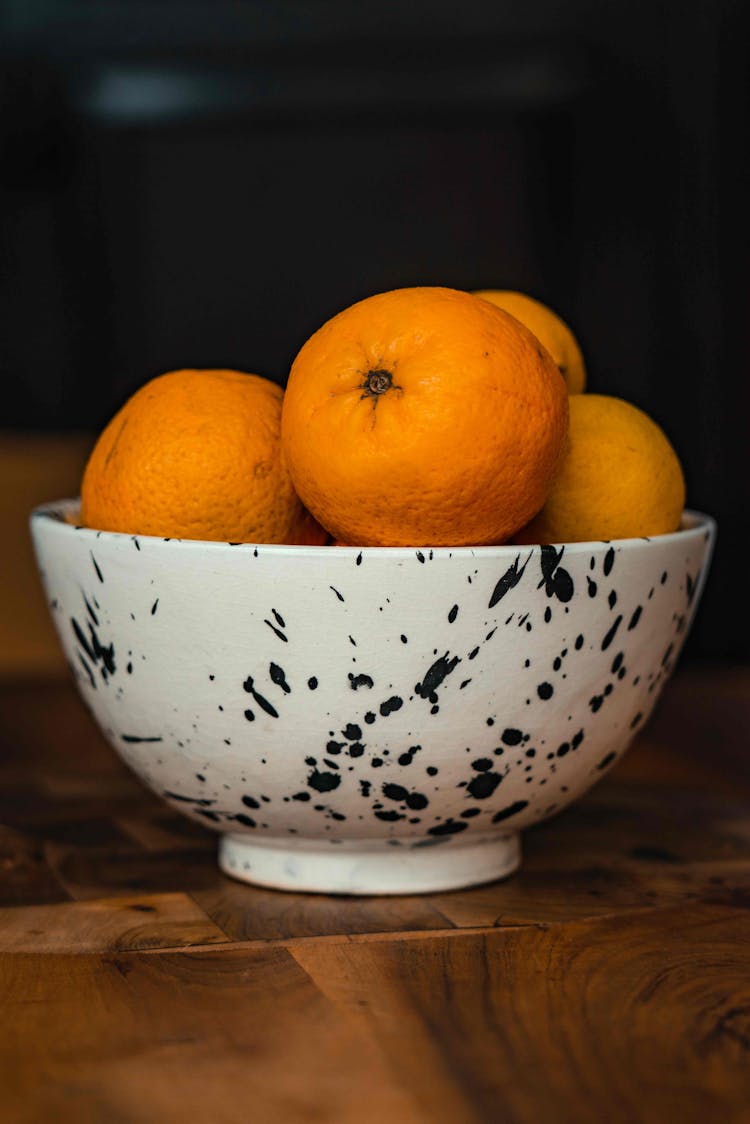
<point>611,633</point>
<point>520,757</point>
<point>360,680</point>
<point>263,703</point>
<point>435,675</point>
<point>277,675</point>
<point>509,579</point>
<point>557,582</point>
<point>511,810</point>
<point>93,654</point>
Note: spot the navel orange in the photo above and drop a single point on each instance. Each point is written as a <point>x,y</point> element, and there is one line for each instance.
<point>423,417</point>
<point>619,478</point>
<point>551,331</point>
<point>197,455</point>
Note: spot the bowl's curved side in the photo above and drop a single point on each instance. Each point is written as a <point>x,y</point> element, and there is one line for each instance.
<point>365,698</point>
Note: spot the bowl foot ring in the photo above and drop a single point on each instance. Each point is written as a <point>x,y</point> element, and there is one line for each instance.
<point>353,868</point>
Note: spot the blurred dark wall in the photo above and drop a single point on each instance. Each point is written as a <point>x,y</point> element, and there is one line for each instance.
<point>204,184</point>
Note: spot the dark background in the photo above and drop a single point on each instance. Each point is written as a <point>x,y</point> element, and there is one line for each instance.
<point>202,184</point>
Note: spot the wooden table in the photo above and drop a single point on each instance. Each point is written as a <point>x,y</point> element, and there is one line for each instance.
<point>608,981</point>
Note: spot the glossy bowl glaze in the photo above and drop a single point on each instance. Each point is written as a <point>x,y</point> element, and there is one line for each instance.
<point>376,720</point>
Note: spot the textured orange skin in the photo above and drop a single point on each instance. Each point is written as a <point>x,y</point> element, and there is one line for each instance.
<point>197,455</point>
<point>460,449</point>
<point>620,478</point>
<point>552,332</point>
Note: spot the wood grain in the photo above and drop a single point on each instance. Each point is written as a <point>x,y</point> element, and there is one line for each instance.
<point>623,848</point>
<point>252,913</point>
<point>108,924</point>
<point>211,1038</point>
<point>609,980</point>
<point>93,872</point>
<point>643,1018</point>
<point>25,876</point>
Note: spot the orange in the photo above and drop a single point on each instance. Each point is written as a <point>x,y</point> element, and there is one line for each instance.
<point>197,455</point>
<point>423,417</point>
<point>552,332</point>
<point>620,478</point>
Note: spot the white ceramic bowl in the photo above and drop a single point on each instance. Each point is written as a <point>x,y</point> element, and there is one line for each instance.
<point>383,720</point>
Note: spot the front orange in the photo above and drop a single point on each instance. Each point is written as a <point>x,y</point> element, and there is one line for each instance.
<point>423,416</point>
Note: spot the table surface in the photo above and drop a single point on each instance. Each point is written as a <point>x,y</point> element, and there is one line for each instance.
<point>609,980</point>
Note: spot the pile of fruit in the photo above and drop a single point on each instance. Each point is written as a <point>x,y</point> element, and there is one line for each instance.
<point>417,417</point>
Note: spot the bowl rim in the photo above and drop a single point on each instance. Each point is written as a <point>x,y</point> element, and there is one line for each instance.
<point>52,515</point>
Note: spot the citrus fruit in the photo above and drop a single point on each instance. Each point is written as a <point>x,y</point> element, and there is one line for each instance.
<point>197,454</point>
<point>619,478</point>
<point>552,332</point>
<point>423,416</point>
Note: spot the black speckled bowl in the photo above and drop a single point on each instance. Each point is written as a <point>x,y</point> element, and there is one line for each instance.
<point>376,720</point>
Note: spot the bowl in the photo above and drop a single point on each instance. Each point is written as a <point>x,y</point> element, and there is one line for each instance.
<point>376,720</point>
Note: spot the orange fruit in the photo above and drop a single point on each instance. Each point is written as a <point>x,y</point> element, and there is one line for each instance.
<point>619,478</point>
<point>197,455</point>
<point>423,417</point>
<point>552,332</point>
